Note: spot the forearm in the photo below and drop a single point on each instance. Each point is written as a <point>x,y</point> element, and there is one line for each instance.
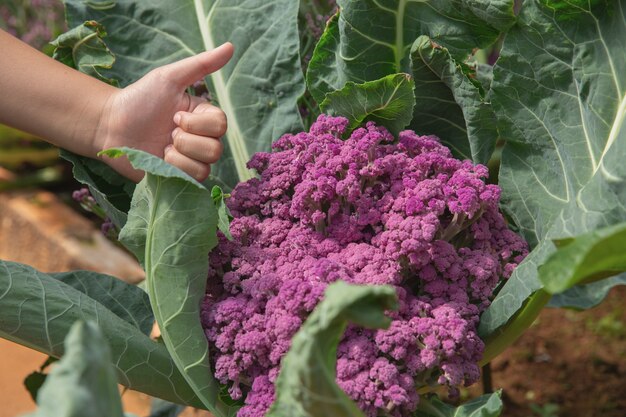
<point>48,99</point>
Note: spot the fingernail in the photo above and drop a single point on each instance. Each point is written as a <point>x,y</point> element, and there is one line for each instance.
<point>167,149</point>
<point>175,132</point>
<point>177,118</point>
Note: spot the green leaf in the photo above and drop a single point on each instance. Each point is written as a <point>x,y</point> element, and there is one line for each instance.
<point>83,382</point>
<point>388,101</point>
<point>35,380</point>
<point>223,215</point>
<point>128,302</point>
<point>356,47</point>
<point>451,102</point>
<point>258,89</point>
<point>171,228</point>
<point>306,385</point>
<point>83,48</point>
<point>587,258</point>
<point>38,311</point>
<point>488,405</point>
<point>582,297</point>
<point>559,91</point>
<point>111,191</point>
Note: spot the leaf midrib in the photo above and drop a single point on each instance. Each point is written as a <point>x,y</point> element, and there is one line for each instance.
<point>234,135</point>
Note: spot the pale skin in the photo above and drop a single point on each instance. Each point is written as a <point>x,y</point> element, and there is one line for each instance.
<point>84,115</point>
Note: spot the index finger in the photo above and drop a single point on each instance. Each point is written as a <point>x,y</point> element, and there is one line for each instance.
<point>189,70</point>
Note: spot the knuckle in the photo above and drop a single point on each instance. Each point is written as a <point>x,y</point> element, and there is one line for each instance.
<point>201,172</point>
<point>215,151</point>
<point>179,140</point>
<point>221,123</point>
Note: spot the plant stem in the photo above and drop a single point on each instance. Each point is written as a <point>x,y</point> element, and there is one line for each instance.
<point>509,333</point>
<point>487,381</point>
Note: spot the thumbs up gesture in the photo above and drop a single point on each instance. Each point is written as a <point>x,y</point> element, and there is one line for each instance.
<point>155,114</point>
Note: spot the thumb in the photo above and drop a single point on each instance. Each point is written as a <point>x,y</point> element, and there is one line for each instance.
<point>189,70</point>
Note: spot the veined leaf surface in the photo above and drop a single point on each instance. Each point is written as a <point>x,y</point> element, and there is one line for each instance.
<point>306,386</point>
<point>388,102</point>
<point>451,103</point>
<point>257,90</point>
<point>128,302</point>
<point>39,310</point>
<point>559,91</point>
<point>171,228</point>
<point>355,47</point>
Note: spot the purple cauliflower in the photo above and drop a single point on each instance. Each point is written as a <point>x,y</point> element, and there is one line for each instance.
<point>371,209</point>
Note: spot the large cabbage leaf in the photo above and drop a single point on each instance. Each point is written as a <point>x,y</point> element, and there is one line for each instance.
<point>559,90</point>
<point>171,228</point>
<point>370,39</point>
<point>257,90</point>
<point>38,311</point>
<point>449,102</point>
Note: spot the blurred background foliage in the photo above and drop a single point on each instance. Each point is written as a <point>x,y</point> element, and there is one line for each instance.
<point>25,160</point>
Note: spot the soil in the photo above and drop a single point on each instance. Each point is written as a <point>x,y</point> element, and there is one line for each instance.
<point>568,364</point>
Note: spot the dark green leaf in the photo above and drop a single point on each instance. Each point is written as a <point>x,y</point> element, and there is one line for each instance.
<point>559,91</point>
<point>388,101</point>
<point>489,405</point>
<point>83,48</point>
<point>128,302</point>
<point>306,386</point>
<point>38,311</point>
<point>371,39</point>
<point>171,228</point>
<point>258,89</point>
<point>33,383</point>
<point>83,383</point>
<point>451,103</point>
<point>111,191</point>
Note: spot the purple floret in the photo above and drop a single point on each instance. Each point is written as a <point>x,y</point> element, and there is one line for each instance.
<point>371,209</point>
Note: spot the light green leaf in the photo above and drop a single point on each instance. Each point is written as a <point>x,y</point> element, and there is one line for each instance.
<point>111,191</point>
<point>355,47</point>
<point>128,302</point>
<point>83,48</point>
<point>306,385</point>
<point>587,258</point>
<point>83,382</point>
<point>258,89</point>
<point>171,228</point>
<point>559,91</point>
<point>223,215</point>
<point>488,405</point>
<point>388,101</point>
<point>38,311</point>
<point>451,103</point>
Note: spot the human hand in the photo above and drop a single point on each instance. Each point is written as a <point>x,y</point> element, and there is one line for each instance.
<point>156,115</point>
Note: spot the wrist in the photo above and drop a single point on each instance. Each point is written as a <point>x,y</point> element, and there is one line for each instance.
<point>104,132</point>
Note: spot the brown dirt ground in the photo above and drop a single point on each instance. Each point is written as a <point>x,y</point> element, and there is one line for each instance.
<point>572,360</point>
<point>575,361</point>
